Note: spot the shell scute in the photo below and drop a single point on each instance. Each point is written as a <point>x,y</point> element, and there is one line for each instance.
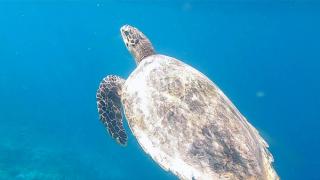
<point>187,125</point>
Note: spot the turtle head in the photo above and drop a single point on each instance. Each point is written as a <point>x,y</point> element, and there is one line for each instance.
<point>136,42</point>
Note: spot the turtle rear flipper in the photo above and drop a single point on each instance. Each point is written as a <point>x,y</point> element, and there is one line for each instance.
<point>109,107</point>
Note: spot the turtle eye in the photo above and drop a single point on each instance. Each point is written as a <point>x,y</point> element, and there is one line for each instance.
<point>126,33</point>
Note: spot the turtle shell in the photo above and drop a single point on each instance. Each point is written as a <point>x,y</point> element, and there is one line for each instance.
<point>188,126</point>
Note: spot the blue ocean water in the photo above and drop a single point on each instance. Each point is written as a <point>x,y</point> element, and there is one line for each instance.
<point>265,56</point>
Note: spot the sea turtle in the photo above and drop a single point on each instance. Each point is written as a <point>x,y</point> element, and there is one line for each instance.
<point>181,118</point>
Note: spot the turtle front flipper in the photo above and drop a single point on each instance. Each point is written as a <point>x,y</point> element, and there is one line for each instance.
<point>109,107</point>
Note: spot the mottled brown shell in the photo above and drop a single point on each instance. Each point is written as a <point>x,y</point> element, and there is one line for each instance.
<point>188,126</point>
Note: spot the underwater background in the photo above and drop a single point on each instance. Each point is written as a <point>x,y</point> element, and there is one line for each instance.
<point>264,54</point>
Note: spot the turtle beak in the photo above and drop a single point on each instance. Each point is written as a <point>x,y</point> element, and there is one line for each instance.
<point>125,30</point>
<point>125,33</point>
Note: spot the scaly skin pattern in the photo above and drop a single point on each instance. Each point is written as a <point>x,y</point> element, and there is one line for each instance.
<point>189,127</point>
<point>109,107</point>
